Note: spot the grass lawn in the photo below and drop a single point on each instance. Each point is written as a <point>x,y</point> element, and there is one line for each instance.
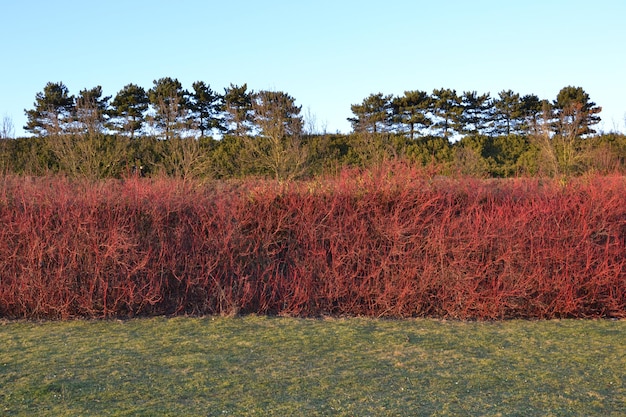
<point>259,366</point>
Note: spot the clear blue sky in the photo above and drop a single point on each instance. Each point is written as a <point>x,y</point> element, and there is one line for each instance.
<point>326,54</point>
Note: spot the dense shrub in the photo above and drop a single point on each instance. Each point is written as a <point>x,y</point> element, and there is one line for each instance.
<point>392,241</point>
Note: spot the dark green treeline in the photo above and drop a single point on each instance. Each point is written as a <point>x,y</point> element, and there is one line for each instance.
<point>202,133</point>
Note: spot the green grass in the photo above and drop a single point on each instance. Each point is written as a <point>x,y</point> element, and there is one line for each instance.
<point>259,366</point>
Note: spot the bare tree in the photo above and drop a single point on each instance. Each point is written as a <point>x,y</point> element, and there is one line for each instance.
<point>90,156</point>
<point>310,123</point>
<point>548,162</point>
<point>6,129</point>
<point>185,158</point>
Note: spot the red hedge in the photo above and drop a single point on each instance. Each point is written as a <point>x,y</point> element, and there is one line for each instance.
<point>390,242</point>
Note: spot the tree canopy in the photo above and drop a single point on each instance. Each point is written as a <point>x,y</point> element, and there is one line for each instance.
<point>53,110</point>
<point>373,114</point>
<point>128,109</point>
<point>170,103</point>
<point>92,110</point>
<point>575,113</point>
<point>172,111</point>
<point>205,106</point>
<point>410,112</point>
<point>238,109</point>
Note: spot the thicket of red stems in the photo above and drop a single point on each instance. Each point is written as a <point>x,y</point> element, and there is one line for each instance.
<point>389,242</point>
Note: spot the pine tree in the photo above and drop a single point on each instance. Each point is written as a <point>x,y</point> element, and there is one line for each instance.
<point>477,112</point>
<point>448,111</point>
<point>575,113</point>
<point>53,110</point>
<point>170,103</point>
<point>92,110</point>
<point>280,124</point>
<point>238,108</point>
<point>532,109</point>
<point>205,106</point>
<point>128,109</point>
<point>508,113</point>
<point>410,111</point>
<point>373,115</point>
